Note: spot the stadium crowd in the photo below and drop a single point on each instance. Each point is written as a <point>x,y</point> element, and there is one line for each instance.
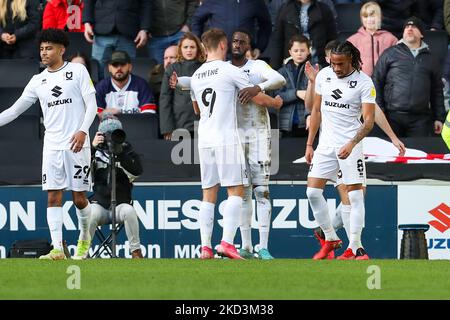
<point>400,46</point>
<point>144,29</point>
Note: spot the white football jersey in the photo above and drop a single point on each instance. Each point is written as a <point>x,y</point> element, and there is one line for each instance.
<point>60,94</point>
<point>341,106</point>
<point>215,86</point>
<point>251,117</point>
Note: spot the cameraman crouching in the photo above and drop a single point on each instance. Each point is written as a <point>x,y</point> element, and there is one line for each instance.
<point>127,170</point>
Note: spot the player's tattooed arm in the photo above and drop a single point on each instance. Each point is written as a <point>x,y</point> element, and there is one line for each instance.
<point>368,111</point>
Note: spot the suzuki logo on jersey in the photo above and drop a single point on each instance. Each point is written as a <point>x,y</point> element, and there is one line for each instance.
<point>442,214</point>
<point>59,102</point>
<point>337,94</point>
<point>56,91</point>
<point>337,105</point>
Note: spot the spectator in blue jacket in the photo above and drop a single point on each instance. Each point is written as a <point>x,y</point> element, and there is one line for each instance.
<point>251,15</point>
<point>293,112</point>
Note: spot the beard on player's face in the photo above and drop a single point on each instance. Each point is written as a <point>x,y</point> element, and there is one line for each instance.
<point>238,54</point>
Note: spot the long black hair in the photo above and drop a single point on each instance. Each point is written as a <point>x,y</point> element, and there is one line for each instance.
<point>348,49</point>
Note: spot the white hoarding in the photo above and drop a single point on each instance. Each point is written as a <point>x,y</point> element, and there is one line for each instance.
<point>427,205</point>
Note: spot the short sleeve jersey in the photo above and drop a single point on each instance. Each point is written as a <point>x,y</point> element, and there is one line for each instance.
<point>60,94</point>
<point>134,97</point>
<point>215,86</point>
<point>341,106</point>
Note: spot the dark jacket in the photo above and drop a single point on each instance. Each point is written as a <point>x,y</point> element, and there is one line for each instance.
<point>289,95</point>
<point>169,16</point>
<point>126,17</point>
<point>175,105</point>
<point>431,12</point>
<point>128,161</point>
<point>25,31</point>
<point>321,27</point>
<point>230,15</point>
<point>407,84</point>
<point>155,79</point>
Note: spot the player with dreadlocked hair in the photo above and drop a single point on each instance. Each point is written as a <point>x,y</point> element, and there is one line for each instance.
<point>343,94</point>
<point>348,49</point>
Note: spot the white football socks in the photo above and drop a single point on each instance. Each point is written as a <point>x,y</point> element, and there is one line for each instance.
<point>246,220</point>
<point>83,221</point>
<point>345,213</point>
<point>206,221</point>
<point>320,210</point>
<point>264,211</point>
<point>357,216</point>
<point>231,219</point>
<point>55,224</point>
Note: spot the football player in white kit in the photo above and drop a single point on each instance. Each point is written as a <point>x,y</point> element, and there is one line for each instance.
<point>254,130</point>
<point>67,98</point>
<point>214,91</point>
<point>341,218</point>
<point>343,93</point>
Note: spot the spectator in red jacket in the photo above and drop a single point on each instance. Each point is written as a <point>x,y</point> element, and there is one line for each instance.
<point>63,14</point>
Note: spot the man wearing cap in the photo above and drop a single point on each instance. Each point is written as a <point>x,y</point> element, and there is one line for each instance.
<point>128,169</point>
<point>124,92</point>
<point>409,87</point>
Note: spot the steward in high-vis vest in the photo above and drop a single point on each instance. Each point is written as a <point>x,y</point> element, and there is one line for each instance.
<point>446,130</point>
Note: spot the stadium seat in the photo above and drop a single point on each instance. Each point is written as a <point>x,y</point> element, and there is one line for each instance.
<point>9,95</point>
<point>77,43</point>
<point>140,126</point>
<point>438,42</point>
<point>142,67</point>
<point>25,127</point>
<point>348,17</point>
<point>344,35</point>
<point>16,73</point>
<point>93,128</point>
<point>142,52</point>
<point>94,70</point>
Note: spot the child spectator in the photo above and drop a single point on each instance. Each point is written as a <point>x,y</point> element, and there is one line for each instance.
<point>293,112</point>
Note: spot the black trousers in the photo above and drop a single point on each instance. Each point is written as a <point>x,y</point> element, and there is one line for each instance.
<point>410,125</point>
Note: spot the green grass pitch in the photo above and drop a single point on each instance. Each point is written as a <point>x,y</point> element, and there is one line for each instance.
<point>223,279</point>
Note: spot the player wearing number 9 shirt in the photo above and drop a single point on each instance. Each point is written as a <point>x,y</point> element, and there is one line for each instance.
<point>67,98</point>
<point>214,91</point>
